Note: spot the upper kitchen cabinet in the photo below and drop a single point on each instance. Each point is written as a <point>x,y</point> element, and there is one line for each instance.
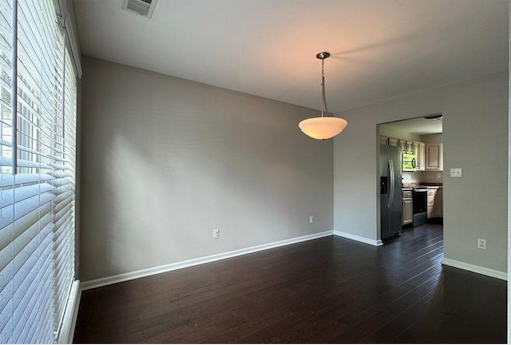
<point>421,156</point>
<point>389,141</point>
<point>434,157</point>
<point>393,142</point>
<point>402,145</point>
<point>410,147</point>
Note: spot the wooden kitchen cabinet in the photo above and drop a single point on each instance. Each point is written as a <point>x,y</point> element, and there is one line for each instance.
<point>438,208</point>
<point>410,148</point>
<point>402,145</point>
<point>407,211</point>
<point>407,207</point>
<point>435,202</point>
<point>434,157</point>
<point>421,156</point>
<point>393,142</point>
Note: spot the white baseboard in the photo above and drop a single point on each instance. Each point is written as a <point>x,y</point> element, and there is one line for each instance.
<point>67,328</point>
<point>193,262</point>
<point>358,238</point>
<point>476,269</point>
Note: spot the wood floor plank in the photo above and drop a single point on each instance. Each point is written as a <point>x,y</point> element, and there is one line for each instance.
<point>329,290</point>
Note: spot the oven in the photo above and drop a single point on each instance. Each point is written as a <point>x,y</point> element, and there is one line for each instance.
<point>420,206</point>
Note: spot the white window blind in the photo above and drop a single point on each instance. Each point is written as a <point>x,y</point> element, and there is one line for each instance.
<point>64,201</point>
<point>36,173</point>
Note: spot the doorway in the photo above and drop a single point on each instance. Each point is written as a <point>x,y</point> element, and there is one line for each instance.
<point>410,163</point>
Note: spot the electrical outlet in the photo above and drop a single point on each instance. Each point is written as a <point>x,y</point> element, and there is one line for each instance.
<point>481,243</point>
<point>438,175</point>
<point>216,233</point>
<point>311,219</point>
<point>456,172</point>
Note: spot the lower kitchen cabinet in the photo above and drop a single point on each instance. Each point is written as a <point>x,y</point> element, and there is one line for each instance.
<point>435,202</point>
<point>407,207</point>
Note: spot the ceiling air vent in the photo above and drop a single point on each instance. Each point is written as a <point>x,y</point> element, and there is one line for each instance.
<point>141,7</point>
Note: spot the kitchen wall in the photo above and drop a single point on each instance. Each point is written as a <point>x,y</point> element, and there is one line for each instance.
<point>412,177</point>
<point>166,160</point>
<point>422,176</point>
<point>431,176</point>
<point>432,138</point>
<point>475,206</point>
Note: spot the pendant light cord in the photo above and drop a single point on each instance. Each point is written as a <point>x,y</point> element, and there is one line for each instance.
<point>324,108</point>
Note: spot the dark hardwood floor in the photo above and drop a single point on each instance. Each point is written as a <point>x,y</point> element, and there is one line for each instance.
<point>329,290</point>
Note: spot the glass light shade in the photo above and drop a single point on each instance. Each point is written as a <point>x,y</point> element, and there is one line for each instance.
<point>323,127</point>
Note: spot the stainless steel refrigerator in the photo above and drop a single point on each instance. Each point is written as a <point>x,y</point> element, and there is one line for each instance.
<point>391,200</point>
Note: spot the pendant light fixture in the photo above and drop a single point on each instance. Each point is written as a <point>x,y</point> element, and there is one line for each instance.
<point>324,127</point>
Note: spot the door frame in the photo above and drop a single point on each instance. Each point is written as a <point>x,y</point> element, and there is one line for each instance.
<point>378,172</point>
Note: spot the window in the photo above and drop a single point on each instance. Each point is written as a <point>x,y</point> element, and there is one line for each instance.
<point>37,172</point>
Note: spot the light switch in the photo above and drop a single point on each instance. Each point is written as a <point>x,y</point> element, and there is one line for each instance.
<point>456,172</point>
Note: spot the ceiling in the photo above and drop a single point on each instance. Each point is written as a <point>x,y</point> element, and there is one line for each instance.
<point>417,126</point>
<point>380,48</point>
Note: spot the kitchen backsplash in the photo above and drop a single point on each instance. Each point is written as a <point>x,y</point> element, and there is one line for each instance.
<point>411,177</point>
<point>422,176</point>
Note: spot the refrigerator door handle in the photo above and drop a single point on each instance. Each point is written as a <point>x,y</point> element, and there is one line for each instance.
<point>389,183</point>
<point>391,175</point>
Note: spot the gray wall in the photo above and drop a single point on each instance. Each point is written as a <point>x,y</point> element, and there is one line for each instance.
<point>475,138</point>
<point>432,138</point>
<point>165,160</point>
